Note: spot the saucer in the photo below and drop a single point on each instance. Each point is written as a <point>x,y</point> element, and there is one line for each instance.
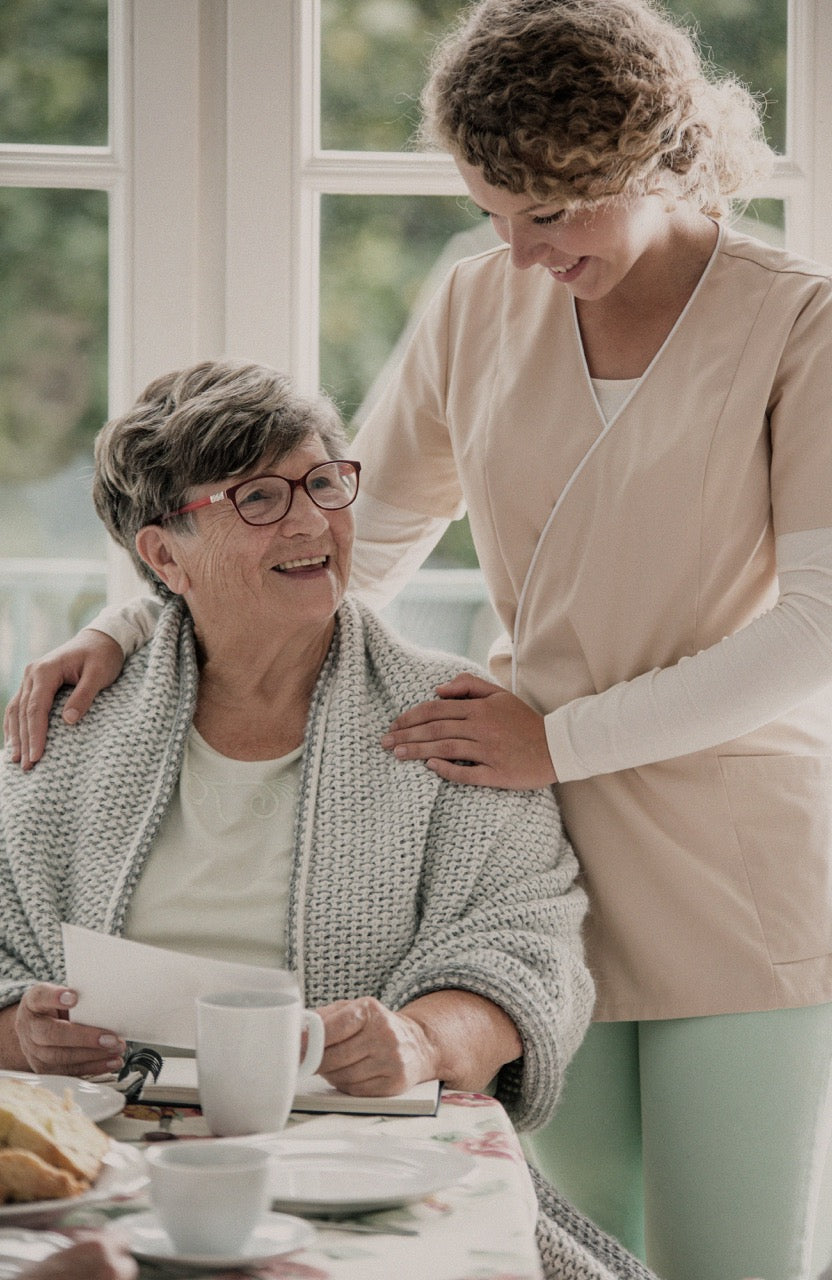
<point>278,1233</point>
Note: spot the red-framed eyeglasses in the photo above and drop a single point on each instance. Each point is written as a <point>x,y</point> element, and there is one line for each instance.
<point>266,499</point>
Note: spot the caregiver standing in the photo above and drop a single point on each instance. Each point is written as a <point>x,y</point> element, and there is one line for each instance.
<point>632,400</point>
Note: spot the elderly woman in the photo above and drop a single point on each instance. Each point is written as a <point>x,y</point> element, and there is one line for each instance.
<point>229,797</point>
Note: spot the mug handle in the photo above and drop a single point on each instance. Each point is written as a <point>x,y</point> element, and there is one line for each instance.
<point>314,1027</point>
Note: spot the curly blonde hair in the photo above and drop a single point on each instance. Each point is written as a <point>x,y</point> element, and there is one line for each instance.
<point>580,100</point>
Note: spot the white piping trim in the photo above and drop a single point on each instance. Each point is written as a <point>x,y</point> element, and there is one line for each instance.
<point>518,618</point>
<point>306,844</point>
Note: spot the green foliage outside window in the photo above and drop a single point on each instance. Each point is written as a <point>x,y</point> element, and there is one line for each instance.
<point>747,38</point>
<point>53,327</point>
<point>53,72</point>
<point>53,242</point>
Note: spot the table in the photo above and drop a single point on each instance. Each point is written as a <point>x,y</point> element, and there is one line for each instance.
<point>479,1229</point>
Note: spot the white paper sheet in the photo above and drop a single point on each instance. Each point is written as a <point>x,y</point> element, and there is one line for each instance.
<point>148,993</point>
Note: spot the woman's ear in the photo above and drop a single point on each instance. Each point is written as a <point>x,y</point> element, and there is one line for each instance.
<point>158,549</point>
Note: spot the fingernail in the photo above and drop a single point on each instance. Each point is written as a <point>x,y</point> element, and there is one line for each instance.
<point>71,716</point>
<point>115,1064</point>
<point>108,1042</point>
<point>67,997</point>
<point>387,740</point>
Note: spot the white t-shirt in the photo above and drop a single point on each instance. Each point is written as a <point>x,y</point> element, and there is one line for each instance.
<point>612,392</point>
<point>216,882</point>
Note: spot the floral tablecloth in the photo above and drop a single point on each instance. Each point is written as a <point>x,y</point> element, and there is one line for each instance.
<point>481,1228</point>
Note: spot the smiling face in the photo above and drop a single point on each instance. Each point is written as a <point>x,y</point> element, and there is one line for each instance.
<point>590,250</point>
<point>258,584</point>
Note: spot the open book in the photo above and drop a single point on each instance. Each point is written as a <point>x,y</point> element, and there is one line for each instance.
<point>177,1085</point>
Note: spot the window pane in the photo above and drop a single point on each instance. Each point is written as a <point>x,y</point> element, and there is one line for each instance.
<point>53,398</point>
<point>748,38</point>
<point>382,257</point>
<point>765,219</point>
<point>373,57</point>
<point>53,72</point>
<point>379,254</point>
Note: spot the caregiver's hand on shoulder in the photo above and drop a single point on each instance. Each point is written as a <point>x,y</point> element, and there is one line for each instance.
<point>52,1045</point>
<point>372,1051</point>
<point>500,737</point>
<point>91,661</point>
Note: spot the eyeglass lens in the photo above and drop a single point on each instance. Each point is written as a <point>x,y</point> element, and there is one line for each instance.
<point>267,498</point>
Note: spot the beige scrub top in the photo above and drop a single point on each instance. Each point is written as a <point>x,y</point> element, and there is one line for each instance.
<point>611,550</point>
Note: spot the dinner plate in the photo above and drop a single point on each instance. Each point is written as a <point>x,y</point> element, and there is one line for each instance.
<point>352,1173</point>
<point>123,1173</point>
<point>276,1234</point>
<point>98,1101</point>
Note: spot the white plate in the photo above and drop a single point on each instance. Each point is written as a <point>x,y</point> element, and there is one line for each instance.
<point>277,1234</point>
<point>350,1173</point>
<point>124,1173</point>
<point>98,1101</point>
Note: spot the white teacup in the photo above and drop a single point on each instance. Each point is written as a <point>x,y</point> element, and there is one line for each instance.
<point>209,1196</point>
<point>248,1058</point>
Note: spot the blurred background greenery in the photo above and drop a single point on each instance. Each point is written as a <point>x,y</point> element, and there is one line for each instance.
<point>380,255</point>
<point>53,243</point>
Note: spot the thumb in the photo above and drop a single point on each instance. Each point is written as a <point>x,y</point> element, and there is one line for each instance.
<point>467,685</point>
<point>44,997</point>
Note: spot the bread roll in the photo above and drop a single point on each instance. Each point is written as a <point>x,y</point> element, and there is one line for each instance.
<point>24,1176</point>
<point>48,1148</point>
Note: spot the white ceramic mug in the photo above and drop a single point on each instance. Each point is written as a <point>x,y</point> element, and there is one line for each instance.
<point>209,1196</point>
<point>248,1058</point>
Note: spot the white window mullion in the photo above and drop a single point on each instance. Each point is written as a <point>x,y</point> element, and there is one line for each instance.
<point>306,226</point>
<point>383,173</point>
<point>120,310</point>
<point>165,170</point>
<point>819,90</point>
<point>260,314</point>
<point>792,181</point>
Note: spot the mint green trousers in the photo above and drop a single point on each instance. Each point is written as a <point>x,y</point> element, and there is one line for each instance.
<point>703,1144</point>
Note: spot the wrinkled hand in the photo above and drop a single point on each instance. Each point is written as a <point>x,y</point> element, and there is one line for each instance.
<point>94,1255</point>
<point>52,1045</point>
<point>477,721</point>
<point>372,1051</point>
<point>90,661</point>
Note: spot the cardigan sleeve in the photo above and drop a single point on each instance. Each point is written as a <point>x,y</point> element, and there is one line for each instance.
<point>755,675</point>
<point>501,917</point>
<point>27,890</point>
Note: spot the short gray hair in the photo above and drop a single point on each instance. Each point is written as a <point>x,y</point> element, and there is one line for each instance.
<point>212,421</point>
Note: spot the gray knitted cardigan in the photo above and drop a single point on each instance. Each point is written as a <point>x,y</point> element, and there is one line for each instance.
<point>402,883</point>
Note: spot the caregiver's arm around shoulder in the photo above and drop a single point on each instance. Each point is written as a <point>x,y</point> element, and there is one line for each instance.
<point>90,660</point>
